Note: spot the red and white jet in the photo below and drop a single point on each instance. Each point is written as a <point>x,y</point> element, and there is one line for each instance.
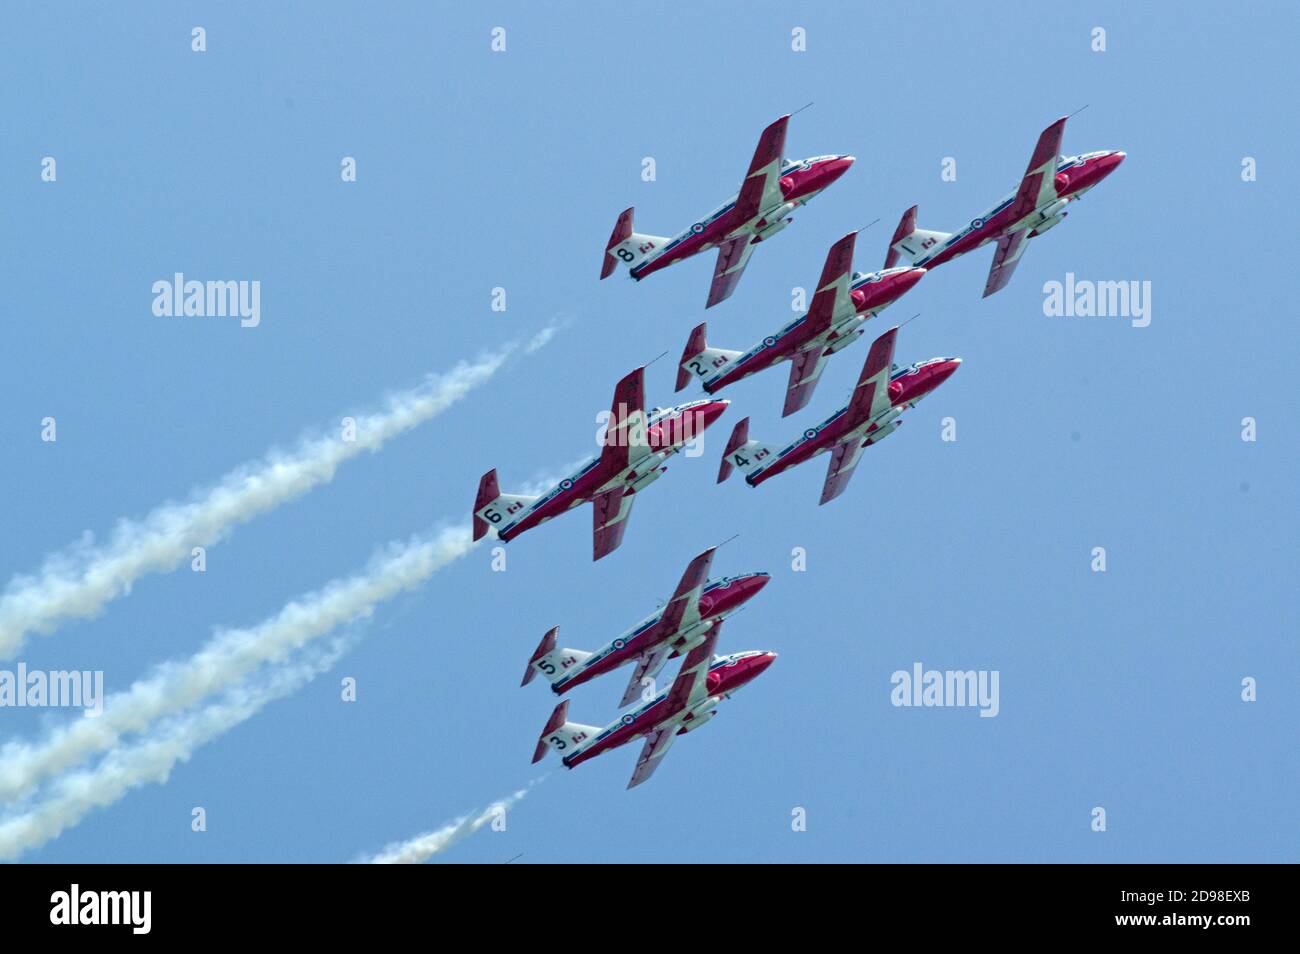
<point>871,415</point>
<point>690,702</point>
<point>635,448</point>
<point>697,607</point>
<point>843,302</point>
<point>773,188</point>
<point>1050,184</point>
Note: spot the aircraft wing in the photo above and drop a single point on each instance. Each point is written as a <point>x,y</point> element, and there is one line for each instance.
<point>652,753</point>
<point>691,684</point>
<point>805,368</point>
<point>689,689</point>
<point>648,664</point>
<point>1010,247</point>
<point>871,395</point>
<point>609,512</point>
<point>762,186</point>
<point>1038,187</point>
<point>681,611</point>
<point>833,298</point>
<point>844,458</point>
<point>683,607</point>
<point>733,256</point>
<point>625,434</point>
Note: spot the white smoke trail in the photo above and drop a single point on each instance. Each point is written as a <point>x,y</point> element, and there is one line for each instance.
<point>152,758</point>
<point>421,848</point>
<point>229,656</point>
<point>77,582</point>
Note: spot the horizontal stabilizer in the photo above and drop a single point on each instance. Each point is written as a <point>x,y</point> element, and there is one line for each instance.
<point>739,436</point>
<point>695,345</point>
<point>912,243</point>
<point>744,453</point>
<point>488,491</point>
<point>629,247</point>
<point>906,226</point>
<point>543,649</point>
<point>493,508</point>
<point>556,720</point>
<point>563,736</point>
<point>701,361</point>
<point>554,662</point>
<point>622,232</point>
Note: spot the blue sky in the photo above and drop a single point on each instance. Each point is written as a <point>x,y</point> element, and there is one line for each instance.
<point>478,170</point>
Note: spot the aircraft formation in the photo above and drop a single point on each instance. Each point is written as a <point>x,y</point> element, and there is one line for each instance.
<point>637,443</point>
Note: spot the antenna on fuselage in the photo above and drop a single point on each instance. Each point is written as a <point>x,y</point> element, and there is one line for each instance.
<point>1078,111</point>
<point>653,360</point>
<point>801,109</point>
<point>868,225</point>
<point>914,317</point>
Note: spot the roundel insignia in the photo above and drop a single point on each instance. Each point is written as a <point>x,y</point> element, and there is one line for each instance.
<point>628,719</point>
<point>769,342</point>
<point>697,228</point>
<point>810,433</point>
<point>566,483</point>
<point>977,223</point>
<point>619,643</point>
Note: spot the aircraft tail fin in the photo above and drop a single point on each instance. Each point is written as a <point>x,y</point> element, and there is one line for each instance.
<point>910,242</point>
<point>551,660</point>
<point>700,360</point>
<point>561,735</point>
<point>629,247</point>
<point>492,507</point>
<point>744,453</point>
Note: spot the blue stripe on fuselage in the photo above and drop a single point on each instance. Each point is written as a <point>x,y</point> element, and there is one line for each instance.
<point>958,236</point>
<point>636,715</point>
<point>708,220</point>
<point>752,353</point>
<point>606,650</point>
<point>804,438</point>
<point>552,494</point>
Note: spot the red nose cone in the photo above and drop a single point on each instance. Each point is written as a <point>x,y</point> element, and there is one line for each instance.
<point>750,586</point>
<point>741,672</point>
<point>947,369</point>
<point>1108,164</point>
<point>832,169</point>
<point>896,286</point>
<point>708,413</point>
<point>910,277</point>
<point>887,289</point>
